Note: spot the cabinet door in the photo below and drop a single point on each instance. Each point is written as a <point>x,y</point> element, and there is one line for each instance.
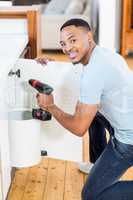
<point>1,193</point>
<point>64,78</point>
<point>127,28</point>
<point>132,15</point>
<point>5,168</point>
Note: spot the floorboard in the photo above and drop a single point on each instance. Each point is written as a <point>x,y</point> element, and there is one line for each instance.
<point>52,179</point>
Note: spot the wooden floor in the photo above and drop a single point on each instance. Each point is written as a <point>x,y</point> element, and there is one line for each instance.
<point>53,179</point>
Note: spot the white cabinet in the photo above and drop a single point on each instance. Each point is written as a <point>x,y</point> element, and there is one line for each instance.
<point>64,78</point>
<point>19,27</point>
<point>1,192</point>
<point>5,167</point>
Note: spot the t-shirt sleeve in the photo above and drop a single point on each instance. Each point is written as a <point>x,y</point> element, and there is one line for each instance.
<point>91,85</point>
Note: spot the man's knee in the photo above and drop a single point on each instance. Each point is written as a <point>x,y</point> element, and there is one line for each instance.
<point>88,193</point>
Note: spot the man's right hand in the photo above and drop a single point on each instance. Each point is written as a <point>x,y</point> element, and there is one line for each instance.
<point>43,60</point>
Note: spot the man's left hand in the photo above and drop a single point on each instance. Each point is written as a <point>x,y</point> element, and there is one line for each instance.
<point>45,101</point>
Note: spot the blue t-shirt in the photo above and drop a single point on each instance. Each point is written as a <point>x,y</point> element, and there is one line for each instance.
<point>106,80</point>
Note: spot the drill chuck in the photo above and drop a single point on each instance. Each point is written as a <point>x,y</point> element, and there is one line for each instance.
<point>41,87</point>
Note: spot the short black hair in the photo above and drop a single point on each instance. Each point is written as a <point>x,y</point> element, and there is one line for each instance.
<point>76,22</point>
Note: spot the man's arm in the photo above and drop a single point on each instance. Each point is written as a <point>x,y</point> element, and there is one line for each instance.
<point>78,123</point>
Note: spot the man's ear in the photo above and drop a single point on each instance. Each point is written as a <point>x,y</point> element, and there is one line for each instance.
<point>90,36</point>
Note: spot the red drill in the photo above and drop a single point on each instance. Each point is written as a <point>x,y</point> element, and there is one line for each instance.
<point>41,88</point>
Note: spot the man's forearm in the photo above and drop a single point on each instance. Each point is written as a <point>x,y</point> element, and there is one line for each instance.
<point>78,123</point>
<point>66,120</point>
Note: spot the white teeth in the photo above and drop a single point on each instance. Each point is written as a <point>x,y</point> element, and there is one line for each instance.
<point>72,55</point>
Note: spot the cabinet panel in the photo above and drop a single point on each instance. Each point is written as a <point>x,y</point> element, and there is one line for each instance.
<point>132,15</point>
<point>52,133</point>
<point>127,28</point>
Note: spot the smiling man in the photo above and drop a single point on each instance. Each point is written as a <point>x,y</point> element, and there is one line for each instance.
<point>77,51</point>
<point>106,86</point>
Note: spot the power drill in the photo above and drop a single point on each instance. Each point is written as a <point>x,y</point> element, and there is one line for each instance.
<point>42,88</point>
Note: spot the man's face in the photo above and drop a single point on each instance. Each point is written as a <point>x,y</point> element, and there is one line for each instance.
<point>75,43</point>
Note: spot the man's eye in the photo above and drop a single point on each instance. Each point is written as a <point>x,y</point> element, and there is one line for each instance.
<point>73,41</point>
<point>62,44</point>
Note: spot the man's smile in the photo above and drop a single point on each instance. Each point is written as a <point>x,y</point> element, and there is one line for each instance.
<point>72,55</point>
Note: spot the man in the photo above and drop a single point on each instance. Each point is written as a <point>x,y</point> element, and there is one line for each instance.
<point>106,86</point>
<point>97,133</point>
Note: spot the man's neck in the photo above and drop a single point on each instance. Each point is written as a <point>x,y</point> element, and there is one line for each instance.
<point>87,59</point>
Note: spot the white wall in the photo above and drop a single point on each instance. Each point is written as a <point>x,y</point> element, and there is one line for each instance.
<point>109,24</point>
<point>5,3</point>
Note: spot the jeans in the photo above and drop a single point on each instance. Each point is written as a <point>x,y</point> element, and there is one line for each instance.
<point>97,136</point>
<point>103,181</point>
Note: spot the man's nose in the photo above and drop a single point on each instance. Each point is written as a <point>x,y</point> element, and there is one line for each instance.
<point>68,47</point>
